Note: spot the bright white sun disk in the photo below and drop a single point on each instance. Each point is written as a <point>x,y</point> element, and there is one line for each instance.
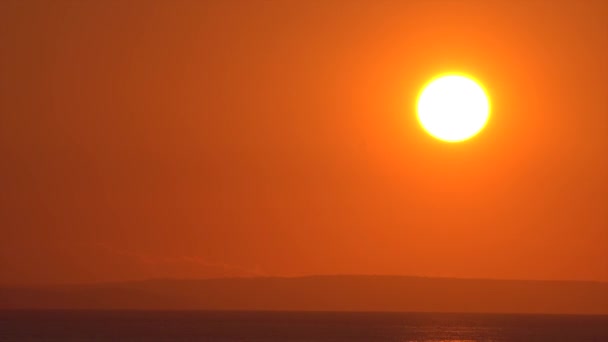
<point>453,108</point>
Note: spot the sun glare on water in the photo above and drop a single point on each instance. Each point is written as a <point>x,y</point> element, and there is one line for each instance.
<point>453,108</point>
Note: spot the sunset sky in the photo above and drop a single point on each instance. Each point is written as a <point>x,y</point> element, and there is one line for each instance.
<point>188,139</point>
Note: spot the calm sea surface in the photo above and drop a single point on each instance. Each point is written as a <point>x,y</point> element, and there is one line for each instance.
<point>294,326</point>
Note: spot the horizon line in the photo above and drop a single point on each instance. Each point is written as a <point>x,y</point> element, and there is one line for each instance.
<point>254,277</point>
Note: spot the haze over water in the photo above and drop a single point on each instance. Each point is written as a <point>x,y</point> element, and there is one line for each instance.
<point>119,326</point>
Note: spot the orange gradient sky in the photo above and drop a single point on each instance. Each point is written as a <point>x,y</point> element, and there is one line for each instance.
<point>149,138</point>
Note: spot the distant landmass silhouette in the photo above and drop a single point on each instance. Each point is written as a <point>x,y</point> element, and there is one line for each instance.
<point>320,293</point>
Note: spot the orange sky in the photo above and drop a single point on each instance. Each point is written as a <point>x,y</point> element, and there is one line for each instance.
<point>208,138</point>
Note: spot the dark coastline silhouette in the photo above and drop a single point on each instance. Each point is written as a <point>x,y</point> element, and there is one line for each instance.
<point>321,293</point>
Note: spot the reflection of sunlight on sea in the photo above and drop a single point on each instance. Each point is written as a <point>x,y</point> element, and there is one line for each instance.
<point>451,333</point>
<point>447,341</point>
<point>450,340</point>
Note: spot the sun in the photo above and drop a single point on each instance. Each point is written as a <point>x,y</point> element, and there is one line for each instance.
<point>453,108</point>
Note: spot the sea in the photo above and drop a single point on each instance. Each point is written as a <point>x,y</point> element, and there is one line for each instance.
<point>177,326</point>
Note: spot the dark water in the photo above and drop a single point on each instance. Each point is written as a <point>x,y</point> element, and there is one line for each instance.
<point>294,326</point>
